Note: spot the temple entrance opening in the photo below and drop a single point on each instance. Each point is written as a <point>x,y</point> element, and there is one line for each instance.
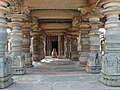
<point>55,46</point>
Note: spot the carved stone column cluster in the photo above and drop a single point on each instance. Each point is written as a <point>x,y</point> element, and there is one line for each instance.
<point>94,63</point>
<point>110,73</point>
<point>26,44</point>
<point>85,48</point>
<point>18,60</point>
<point>5,61</point>
<point>35,45</point>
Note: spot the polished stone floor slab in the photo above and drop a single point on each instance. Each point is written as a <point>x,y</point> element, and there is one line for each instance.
<point>58,82</point>
<point>44,78</point>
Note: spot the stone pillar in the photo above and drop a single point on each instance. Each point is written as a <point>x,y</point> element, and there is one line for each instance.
<point>69,47</point>
<point>65,46</point>
<point>35,45</point>
<point>85,48</point>
<point>48,46</point>
<point>44,42</point>
<point>26,44</point>
<point>59,45</point>
<point>18,60</point>
<point>94,63</point>
<point>42,46</point>
<point>74,45</point>
<point>5,61</point>
<point>79,48</point>
<point>110,73</point>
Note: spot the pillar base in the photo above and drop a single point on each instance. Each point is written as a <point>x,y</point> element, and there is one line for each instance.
<point>35,58</point>
<point>93,69</point>
<point>110,80</point>
<point>83,58</point>
<point>5,72</point>
<point>74,56</point>
<point>61,57</point>
<point>28,60</point>
<point>18,70</point>
<point>18,64</point>
<point>5,81</point>
<point>29,65</point>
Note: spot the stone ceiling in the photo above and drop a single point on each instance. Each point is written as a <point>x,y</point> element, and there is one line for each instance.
<point>55,14</point>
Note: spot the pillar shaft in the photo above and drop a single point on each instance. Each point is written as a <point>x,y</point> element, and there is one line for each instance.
<point>94,64</point>
<point>35,45</point>
<point>16,38</point>
<point>59,45</point>
<point>42,40</point>
<point>65,46</point>
<point>85,49</point>
<point>5,61</point>
<point>69,47</point>
<point>110,73</point>
<point>26,44</point>
<point>49,45</point>
<point>74,45</point>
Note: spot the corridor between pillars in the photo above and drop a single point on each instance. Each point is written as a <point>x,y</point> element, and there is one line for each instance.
<point>5,61</point>
<point>18,60</point>
<point>110,74</point>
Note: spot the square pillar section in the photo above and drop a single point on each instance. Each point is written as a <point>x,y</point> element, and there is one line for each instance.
<point>94,63</point>
<point>26,28</point>
<point>110,73</point>
<point>18,60</point>
<point>5,62</point>
<point>84,44</point>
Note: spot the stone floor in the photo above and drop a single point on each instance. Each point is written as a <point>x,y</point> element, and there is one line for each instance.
<point>58,78</point>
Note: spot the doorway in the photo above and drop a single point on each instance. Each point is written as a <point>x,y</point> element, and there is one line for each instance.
<point>51,42</point>
<point>55,45</point>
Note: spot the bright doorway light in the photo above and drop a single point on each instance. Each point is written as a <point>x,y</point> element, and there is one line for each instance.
<point>102,30</point>
<point>8,30</point>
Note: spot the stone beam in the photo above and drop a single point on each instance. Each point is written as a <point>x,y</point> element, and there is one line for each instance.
<point>54,14</point>
<point>50,26</point>
<point>55,33</point>
<point>55,4</point>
